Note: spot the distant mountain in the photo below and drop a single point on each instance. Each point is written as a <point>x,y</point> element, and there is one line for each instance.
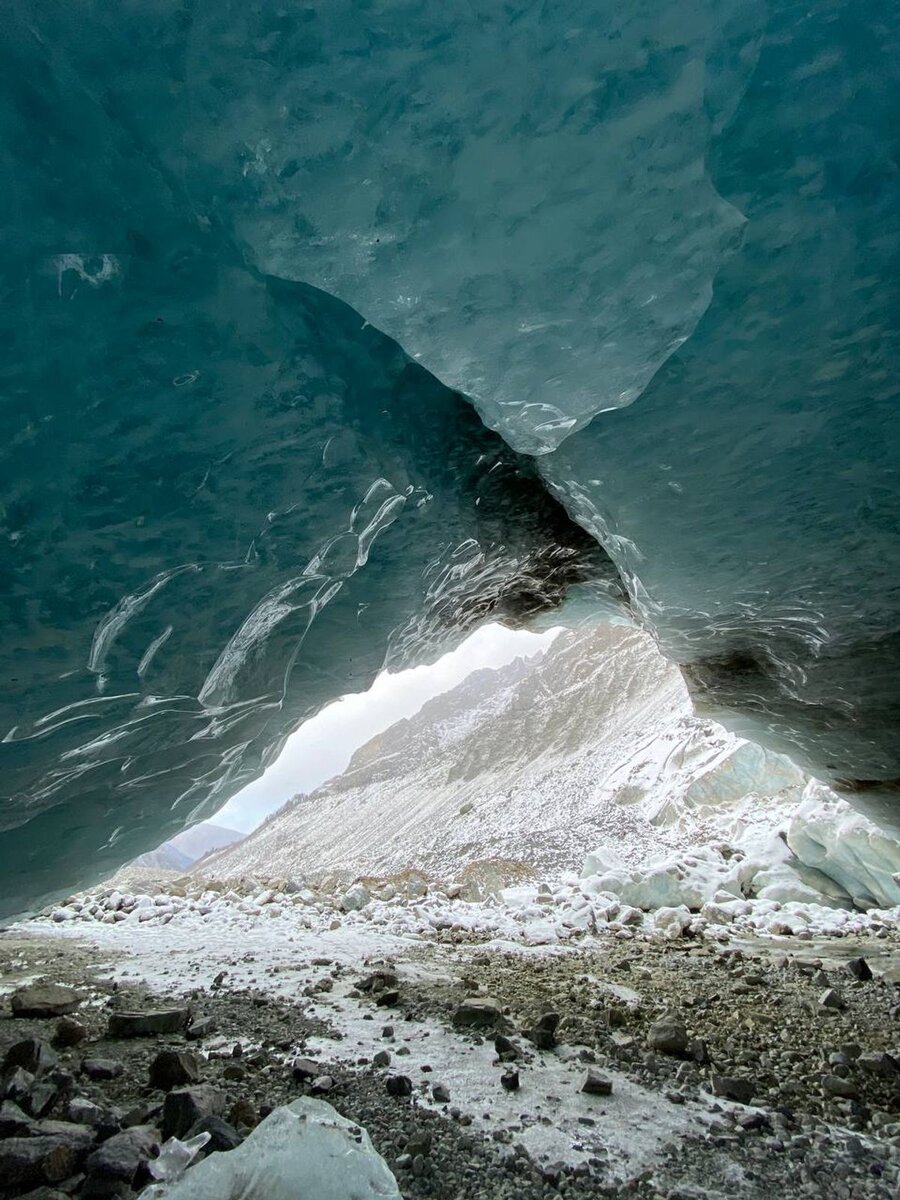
<point>592,743</point>
<point>187,847</point>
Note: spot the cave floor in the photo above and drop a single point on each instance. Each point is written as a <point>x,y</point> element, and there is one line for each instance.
<point>785,1026</point>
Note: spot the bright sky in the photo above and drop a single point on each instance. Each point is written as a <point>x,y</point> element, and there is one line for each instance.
<point>323,746</point>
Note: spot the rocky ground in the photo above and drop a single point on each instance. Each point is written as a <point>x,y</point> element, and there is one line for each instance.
<point>481,1068</point>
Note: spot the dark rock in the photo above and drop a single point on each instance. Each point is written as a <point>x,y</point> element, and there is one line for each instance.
<point>441,1093</point>
<point>143,1114</point>
<point>69,1032</point>
<point>399,1085</point>
<point>147,1024</point>
<point>387,1031</point>
<point>305,1069</point>
<point>31,1161</point>
<point>507,1050</point>
<point>13,1119</point>
<point>834,1085</point>
<point>17,1087</point>
<point>859,969</point>
<point>388,998</point>
<point>596,1084</point>
<point>543,1033</point>
<point>47,1089</point>
<point>378,981</point>
<point>185,1106</point>
<point>234,1072</point>
<point>32,1055</point>
<point>121,1159</point>
<point>831,998</point>
<point>243,1113</point>
<point>45,1000</point>
<point>223,1136</point>
<point>63,1129</point>
<point>381,1059</point>
<point>174,1068</point>
<point>200,1029</point>
<point>729,1087</point>
<point>510,1080</point>
<point>101,1068</point>
<point>478,1012</point>
<point>321,1084</point>
<point>85,1112</point>
<point>668,1037</point>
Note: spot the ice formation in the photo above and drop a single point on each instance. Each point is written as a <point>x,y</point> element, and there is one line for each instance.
<point>301,1151</point>
<point>657,246</point>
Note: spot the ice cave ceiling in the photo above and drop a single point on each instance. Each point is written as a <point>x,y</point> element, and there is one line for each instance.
<point>651,253</point>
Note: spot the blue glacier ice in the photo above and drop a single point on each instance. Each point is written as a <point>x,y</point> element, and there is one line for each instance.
<point>329,331</point>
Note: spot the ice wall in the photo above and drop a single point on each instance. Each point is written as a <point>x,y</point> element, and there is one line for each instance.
<point>658,247</point>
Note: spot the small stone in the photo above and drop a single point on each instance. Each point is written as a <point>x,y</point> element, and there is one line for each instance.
<point>197,1030</point>
<point>399,1085</point>
<point>836,1086</point>
<point>859,969</point>
<point>543,1033</point>
<point>381,1059</point>
<point>388,998</point>
<point>243,1113</point>
<point>17,1087</point>
<point>147,1024</point>
<point>101,1068</point>
<point>322,1084</point>
<point>69,1032</point>
<point>234,1073</point>
<point>510,1080</point>
<point>184,1106</point>
<point>596,1084</point>
<point>477,1012</point>
<point>387,1031</point>
<point>174,1068</point>
<point>44,1000</point>
<point>668,1037</point>
<point>831,998</point>
<point>440,1093</point>
<point>305,1069</point>
<point>507,1050</point>
<point>82,1111</point>
<point>730,1087</point>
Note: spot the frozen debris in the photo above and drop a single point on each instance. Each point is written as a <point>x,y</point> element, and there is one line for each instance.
<point>302,1151</point>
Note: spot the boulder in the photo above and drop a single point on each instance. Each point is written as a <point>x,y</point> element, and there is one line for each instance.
<point>730,1087</point>
<point>596,1084</point>
<point>32,1055</point>
<point>147,1024</point>
<point>174,1068</point>
<point>101,1068</point>
<point>121,1159</point>
<point>222,1136</point>
<point>45,1000</point>
<point>478,1012</point>
<point>31,1161</point>
<point>543,1033</point>
<point>69,1032</point>
<point>399,1085</point>
<point>668,1036</point>
<point>13,1119</point>
<point>183,1107</point>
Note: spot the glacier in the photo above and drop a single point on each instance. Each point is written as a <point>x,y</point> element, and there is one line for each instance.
<point>330,332</point>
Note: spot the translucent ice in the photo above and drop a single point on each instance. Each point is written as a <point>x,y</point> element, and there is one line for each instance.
<point>302,1151</point>
<point>658,246</point>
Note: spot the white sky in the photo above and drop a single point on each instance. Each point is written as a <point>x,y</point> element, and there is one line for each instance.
<point>323,746</point>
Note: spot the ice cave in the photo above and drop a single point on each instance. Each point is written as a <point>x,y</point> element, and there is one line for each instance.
<point>335,338</point>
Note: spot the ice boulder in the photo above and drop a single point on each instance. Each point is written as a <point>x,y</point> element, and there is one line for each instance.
<point>302,1151</point>
<point>830,836</point>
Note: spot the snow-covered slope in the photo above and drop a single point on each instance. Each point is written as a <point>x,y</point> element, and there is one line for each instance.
<point>594,742</point>
<point>181,851</point>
